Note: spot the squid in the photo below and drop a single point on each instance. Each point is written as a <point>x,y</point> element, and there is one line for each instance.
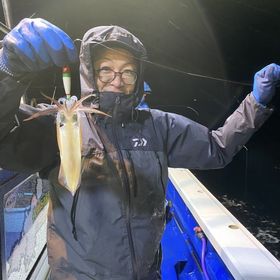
<point>69,137</point>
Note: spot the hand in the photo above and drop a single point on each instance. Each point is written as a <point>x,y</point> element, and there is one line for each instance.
<point>265,82</point>
<point>34,45</point>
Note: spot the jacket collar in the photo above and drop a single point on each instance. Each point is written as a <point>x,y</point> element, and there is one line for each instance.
<point>119,106</point>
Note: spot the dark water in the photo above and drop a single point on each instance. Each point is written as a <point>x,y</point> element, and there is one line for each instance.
<point>261,224</point>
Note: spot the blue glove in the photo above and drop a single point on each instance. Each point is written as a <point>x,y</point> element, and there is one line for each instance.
<point>34,45</point>
<point>265,82</point>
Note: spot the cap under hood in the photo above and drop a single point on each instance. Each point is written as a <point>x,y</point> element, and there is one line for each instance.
<point>109,36</point>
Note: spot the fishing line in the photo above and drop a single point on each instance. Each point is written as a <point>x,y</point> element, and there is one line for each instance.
<point>173,69</point>
<point>245,191</point>
<point>196,75</point>
<point>179,106</point>
<point>53,96</point>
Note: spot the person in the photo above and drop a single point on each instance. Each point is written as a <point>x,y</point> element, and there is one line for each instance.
<point>112,227</point>
<point>143,103</point>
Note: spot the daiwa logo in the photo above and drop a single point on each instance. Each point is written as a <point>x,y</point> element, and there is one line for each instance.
<point>139,142</point>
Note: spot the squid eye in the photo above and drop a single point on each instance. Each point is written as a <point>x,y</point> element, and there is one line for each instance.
<point>61,100</point>
<point>74,98</point>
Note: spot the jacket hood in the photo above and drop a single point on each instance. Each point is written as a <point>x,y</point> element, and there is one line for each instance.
<point>109,36</point>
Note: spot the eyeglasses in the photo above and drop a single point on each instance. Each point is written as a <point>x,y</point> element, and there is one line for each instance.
<point>107,75</point>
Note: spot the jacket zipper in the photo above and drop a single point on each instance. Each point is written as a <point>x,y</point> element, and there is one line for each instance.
<point>161,172</point>
<point>134,182</point>
<point>127,190</point>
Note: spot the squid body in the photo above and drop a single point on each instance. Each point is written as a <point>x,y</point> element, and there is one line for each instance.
<point>69,137</point>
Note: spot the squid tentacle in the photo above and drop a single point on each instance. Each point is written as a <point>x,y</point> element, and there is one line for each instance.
<point>80,101</point>
<point>41,113</point>
<point>92,111</point>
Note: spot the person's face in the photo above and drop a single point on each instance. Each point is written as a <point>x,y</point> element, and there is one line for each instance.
<point>118,60</point>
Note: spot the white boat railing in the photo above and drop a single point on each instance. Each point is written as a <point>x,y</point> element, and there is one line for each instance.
<point>245,257</point>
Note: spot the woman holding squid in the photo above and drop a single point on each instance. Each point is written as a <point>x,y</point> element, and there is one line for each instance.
<point>111,226</point>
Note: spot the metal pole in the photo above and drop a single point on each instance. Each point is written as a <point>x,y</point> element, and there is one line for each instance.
<point>7,13</point>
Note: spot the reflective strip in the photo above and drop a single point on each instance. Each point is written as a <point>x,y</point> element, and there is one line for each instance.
<point>4,68</point>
